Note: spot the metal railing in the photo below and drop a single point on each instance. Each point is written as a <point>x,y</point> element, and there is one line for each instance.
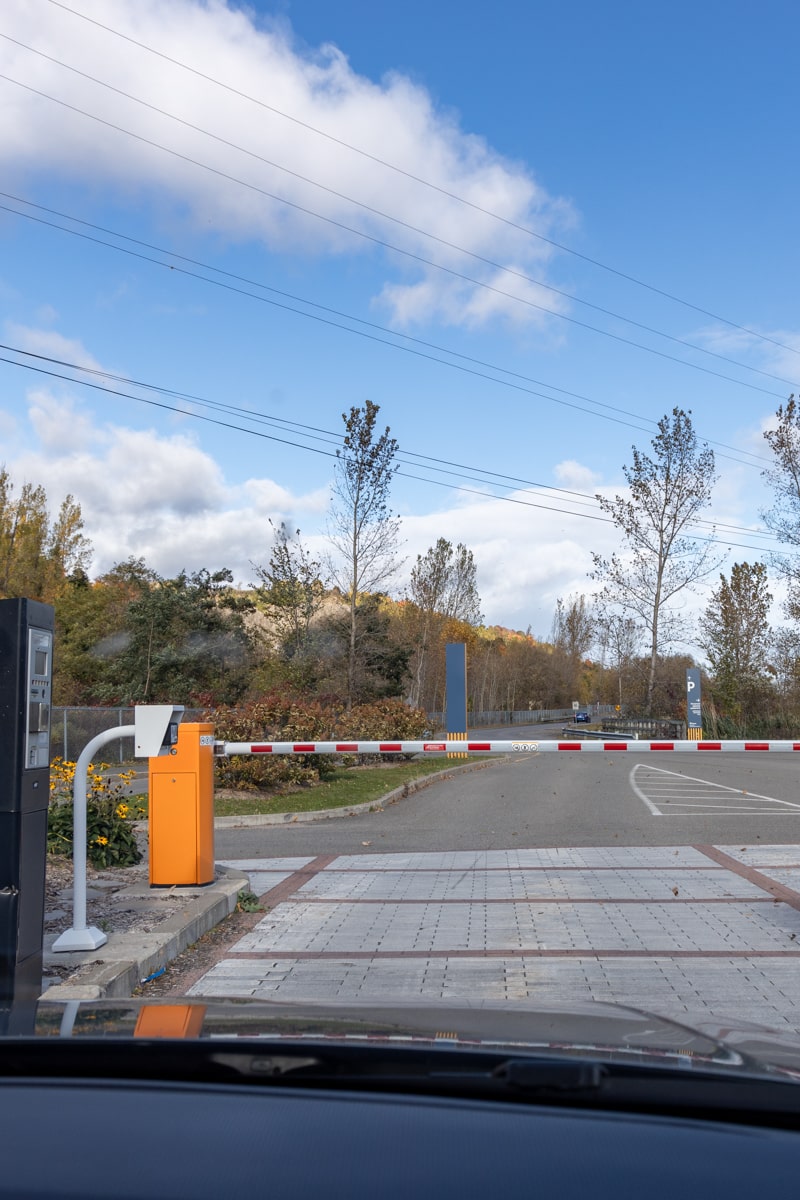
<point>647,727</point>
<point>523,716</point>
<point>72,728</point>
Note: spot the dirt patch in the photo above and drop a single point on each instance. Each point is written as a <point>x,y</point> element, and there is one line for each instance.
<point>109,903</point>
<point>184,971</point>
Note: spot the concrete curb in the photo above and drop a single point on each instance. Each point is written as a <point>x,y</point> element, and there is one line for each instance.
<point>127,958</point>
<point>351,810</point>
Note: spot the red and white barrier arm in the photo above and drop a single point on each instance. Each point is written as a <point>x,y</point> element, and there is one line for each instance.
<point>224,749</point>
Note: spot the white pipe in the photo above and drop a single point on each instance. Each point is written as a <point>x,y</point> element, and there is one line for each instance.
<point>81,937</point>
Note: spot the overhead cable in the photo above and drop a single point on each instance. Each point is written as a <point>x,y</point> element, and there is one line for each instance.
<point>426,182</point>
<point>382,242</point>
<point>399,343</point>
<point>495,265</point>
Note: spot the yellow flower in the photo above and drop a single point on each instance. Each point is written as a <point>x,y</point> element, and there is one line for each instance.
<point>122,811</point>
<point>101,841</point>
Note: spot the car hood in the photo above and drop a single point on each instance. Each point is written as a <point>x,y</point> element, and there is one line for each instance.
<point>601,1032</point>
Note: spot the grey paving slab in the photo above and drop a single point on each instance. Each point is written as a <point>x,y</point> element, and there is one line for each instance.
<point>302,927</point>
<point>734,988</point>
<point>264,881</point>
<point>788,876</point>
<point>471,860</point>
<point>764,856</point>
<point>520,884</point>
<point>267,864</point>
<point>432,909</point>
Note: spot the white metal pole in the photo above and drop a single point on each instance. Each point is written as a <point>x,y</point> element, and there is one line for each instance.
<point>80,937</point>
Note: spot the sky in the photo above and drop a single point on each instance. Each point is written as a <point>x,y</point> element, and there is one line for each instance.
<point>526,232</point>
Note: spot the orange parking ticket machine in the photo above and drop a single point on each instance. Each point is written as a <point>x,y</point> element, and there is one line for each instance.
<point>182,810</point>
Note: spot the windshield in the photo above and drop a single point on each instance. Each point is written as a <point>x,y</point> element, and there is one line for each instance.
<point>400,519</point>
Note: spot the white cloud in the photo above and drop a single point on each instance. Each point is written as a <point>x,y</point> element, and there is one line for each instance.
<point>576,476</point>
<point>143,494</point>
<point>61,429</point>
<point>163,498</point>
<point>774,350</point>
<point>268,497</point>
<point>526,557</point>
<point>51,344</point>
<point>393,118</point>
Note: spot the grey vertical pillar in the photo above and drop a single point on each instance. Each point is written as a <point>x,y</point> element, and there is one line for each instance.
<point>26,665</point>
<point>456,688</point>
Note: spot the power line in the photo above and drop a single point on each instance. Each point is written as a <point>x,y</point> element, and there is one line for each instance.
<point>369,325</point>
<point>408,226</point>
<point>286,441</point>
<point>387,245</point>
<point>329,437</point>
<point>427,183</point>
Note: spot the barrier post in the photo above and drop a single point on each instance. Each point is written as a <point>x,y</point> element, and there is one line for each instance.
<point>182,810</point>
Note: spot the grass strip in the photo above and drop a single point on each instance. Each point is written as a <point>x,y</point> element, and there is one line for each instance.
<point>347,785</point>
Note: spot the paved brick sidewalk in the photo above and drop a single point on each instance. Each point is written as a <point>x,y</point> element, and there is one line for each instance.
<point>696,930</point>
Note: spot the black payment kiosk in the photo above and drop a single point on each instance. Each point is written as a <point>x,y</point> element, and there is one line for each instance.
<point>26,675</point>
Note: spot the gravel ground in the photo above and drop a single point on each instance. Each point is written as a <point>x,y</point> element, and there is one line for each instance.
<point>105,908</point>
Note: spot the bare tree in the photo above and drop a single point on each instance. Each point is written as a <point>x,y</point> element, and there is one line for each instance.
<point>784,478</point>
<point>573,627</point>
<point>667,491</point>
<point>443,585</point>
<point>362,530</point>
<point>618,638</point>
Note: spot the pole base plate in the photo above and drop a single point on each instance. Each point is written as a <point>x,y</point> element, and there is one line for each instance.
<point>80,939</point>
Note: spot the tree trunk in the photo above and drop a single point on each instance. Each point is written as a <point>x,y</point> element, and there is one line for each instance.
<point>351,658</point>
<point>651,675</point>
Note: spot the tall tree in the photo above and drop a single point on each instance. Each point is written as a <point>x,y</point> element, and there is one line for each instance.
<point>37,555</point>
<point>68,551</point>
<point>571,635</point>
<point>179,640</point>
<point>735,635</point>
<point>573,627</point>
<point>784,478</point>
<point>444,586</point>
<point>618,637</point>
<point>666,493</point>
<point>380,665</point>
<point>362,530</point>
<point>292,591</point>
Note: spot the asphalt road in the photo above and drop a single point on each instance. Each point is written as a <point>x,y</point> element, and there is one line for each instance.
<point>561,800</point>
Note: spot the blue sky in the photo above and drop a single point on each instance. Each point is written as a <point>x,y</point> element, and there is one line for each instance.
<point>657,140</point>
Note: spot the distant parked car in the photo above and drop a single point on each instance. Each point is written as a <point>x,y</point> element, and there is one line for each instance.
<point>583,717</point>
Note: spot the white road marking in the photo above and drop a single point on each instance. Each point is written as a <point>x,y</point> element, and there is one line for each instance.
<point>682,795</point>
